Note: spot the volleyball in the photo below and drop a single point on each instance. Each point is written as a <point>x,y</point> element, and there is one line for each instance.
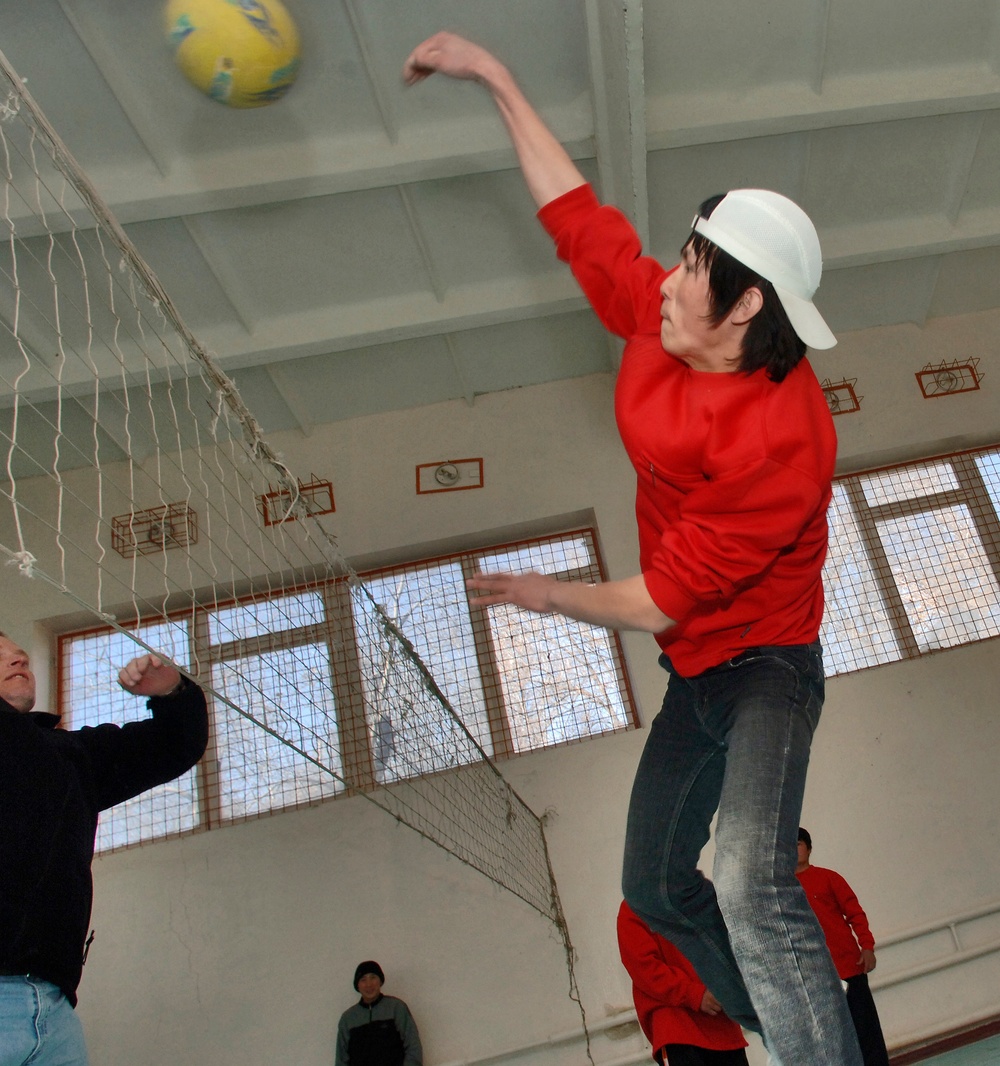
<point>243,53</point>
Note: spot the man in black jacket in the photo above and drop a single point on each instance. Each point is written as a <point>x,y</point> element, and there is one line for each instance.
<point>53,784</point>
<point>378,1030</point>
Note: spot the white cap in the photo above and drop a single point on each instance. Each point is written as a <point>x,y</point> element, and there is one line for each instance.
<point>774,237</point>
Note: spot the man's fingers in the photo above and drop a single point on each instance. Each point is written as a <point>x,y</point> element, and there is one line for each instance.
<point>133,672</point>
<point>414,70</point>
<point>419,64</point>
<point>127,678</point>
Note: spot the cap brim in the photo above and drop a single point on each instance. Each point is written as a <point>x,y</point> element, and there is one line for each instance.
<point>807,322</point>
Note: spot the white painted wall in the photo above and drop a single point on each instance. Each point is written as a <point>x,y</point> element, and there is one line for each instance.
<point>238,946</point>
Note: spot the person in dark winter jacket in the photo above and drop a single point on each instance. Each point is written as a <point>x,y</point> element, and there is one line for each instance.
<point>378,1030</point>
<point>53,784</point>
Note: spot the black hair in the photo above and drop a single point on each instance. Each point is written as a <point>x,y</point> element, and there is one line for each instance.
<point>770,342</point>
<point>805,838</point>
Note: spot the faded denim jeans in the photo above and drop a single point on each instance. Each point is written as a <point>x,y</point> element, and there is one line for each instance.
<point>736,740</point>
<point>38,1027</point>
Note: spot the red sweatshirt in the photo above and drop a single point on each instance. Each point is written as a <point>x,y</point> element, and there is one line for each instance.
<point>667,991</point>
<point>733,469</point>
<point>845,924</point>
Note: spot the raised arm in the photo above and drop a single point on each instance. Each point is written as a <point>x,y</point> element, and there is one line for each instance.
<point>129,759</point>
<point>547,167</point>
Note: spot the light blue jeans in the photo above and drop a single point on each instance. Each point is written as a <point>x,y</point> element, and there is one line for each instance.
<point>38,1027</point>
<point>736,740</point>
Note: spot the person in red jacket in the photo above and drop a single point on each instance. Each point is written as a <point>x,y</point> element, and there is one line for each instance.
<point>683,1022</point>
<point>851,944</point>
<point>733,448</point>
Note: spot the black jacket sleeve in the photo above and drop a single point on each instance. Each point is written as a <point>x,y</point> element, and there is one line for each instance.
<point>129,759</point>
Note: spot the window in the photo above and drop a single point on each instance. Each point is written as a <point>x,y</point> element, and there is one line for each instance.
<point>914,562</point>
<point>913,566</point>
<point>318,669</point>
<point>89,671</point>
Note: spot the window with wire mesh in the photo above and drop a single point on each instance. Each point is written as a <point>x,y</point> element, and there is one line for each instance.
<point>327,693</point>
<point>914,560</point>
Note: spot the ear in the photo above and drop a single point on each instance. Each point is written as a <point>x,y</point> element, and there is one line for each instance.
<point>747,306</point>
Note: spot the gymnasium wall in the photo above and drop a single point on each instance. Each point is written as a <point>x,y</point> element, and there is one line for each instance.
<point>238,946</point>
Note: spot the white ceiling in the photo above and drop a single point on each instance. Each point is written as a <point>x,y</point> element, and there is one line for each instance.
<point>359,246</point>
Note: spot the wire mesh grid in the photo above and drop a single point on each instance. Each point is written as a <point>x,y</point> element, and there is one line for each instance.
<point>914,560</point>
<point>108,406</point>
<point>319,666</point>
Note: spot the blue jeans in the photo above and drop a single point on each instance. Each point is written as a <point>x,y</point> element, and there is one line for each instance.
<point>736,740</point>
<point>38,1027</point>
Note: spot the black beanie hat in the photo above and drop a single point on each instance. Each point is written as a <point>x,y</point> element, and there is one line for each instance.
<point>371,966</point>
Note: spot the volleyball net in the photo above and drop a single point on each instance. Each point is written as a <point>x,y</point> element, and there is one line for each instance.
<point>138,484</point>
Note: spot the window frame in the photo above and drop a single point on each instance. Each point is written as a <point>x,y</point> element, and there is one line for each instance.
<point>970,491</point>
<point>337,632</point>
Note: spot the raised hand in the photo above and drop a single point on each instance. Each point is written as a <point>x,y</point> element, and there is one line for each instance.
<point>447,53</point>
<point>533,592</point>
<point>148,675</point>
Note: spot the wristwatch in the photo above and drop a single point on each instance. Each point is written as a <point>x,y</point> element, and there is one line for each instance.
<point>184,683</point>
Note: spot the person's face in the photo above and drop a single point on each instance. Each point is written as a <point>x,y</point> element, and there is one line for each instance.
<point>804,851</point>
<point>685,330</point>
<point>17,682</point>
<point>369,986</point>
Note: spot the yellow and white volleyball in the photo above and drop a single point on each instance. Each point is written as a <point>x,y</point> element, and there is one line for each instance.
<point>244,53</point>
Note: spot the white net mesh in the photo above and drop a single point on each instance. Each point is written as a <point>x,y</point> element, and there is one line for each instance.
<point>109,406</point>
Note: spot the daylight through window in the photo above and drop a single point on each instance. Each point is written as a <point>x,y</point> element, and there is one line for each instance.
<point>315,664</point>
<point>913,567</point>
<point>914,562</point>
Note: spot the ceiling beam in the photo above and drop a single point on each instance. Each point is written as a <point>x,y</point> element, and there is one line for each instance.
<point>363,39</point>
<point>678,121</point>
<point>137,107</point>
<point>270,173</point>
<point>964,162</point>
<point>457,363</point>
<point>224,270</point>
<point>420,241</point>
<point>337,328</point>
<point>618,88</point>
<point>889,240</point>
<point>290,397</point>
<point>821,31</point>
<point>205,183</point>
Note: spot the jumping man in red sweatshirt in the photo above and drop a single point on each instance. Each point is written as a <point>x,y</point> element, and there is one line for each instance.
<point>733,448</point>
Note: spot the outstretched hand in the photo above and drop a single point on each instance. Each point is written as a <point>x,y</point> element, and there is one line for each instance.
<point>148,675</point>
<point>447,53</point>
<point>531,591</point>
<point>623,604</point>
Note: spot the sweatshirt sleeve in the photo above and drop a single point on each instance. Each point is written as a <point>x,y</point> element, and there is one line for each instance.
<point>129,759</point>
<point>729,531</point>
<point>852,911</point>
<point>603,251</point>
<point>653,964</point>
